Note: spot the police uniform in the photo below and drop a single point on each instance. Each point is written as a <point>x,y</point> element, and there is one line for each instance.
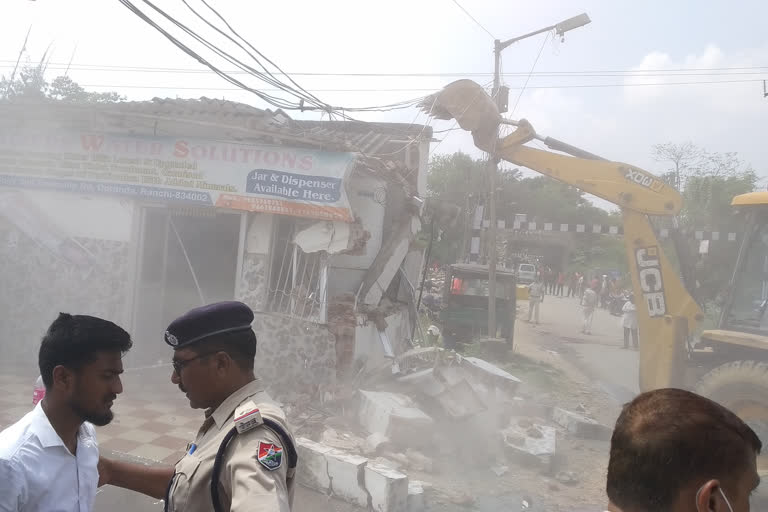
<point>247,433</point>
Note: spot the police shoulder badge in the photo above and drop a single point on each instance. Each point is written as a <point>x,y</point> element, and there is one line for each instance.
<point>270,455</point>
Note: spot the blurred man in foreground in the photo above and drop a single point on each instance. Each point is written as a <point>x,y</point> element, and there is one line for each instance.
<point>675,451</point>
<point>48,459</point>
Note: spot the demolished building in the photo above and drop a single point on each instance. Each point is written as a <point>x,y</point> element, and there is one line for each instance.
<point>138,211</point>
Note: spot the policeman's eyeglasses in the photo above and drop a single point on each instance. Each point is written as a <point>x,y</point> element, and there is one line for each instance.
<point>179,364</point>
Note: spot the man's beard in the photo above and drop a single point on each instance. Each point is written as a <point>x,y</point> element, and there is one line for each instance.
<point>98,419</point>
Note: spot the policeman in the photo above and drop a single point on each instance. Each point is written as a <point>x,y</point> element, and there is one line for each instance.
<point>243,457</point>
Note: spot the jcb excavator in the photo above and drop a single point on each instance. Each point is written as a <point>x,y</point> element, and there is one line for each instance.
<point>727,364</point>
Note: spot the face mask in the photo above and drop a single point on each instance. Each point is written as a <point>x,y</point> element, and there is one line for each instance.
<point>721,494</point>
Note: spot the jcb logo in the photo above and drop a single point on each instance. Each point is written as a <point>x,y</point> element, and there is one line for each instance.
<point>643,179</point>
<point>651,284</point>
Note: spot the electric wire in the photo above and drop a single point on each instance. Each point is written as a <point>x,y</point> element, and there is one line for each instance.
<point>522,90</point>
<point>474,19</point>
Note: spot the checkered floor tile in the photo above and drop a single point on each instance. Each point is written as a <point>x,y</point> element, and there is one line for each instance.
<point>152,418</point>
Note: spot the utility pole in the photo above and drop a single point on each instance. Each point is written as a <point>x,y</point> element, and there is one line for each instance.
<point>493,160</point>
<point>493,169</point>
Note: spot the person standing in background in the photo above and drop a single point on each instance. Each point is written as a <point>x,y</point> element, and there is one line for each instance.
<point>535,298</point>
<point>561,277</point>
<point>573,283</point>
<point>629,322</point>
<point>589,302</point>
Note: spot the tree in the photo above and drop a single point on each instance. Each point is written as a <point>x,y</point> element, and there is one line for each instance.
<point>462,181</point>
<point>708,182</point>
<point>30,84</point>
<point>683,158</point>
<point>687,160</point>
<point>64,88</point>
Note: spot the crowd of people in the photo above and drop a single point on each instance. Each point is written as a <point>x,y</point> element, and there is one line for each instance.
<point>597,291</point>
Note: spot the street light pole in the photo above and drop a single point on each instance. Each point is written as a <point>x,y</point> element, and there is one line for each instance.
<point>493,161</point>
<point>493,169</point>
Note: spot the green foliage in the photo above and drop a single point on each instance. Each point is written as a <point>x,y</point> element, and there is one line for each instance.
<point>30,84</point>
<point>460,180</point>
<point>708,182</point>
<point>707,199</point>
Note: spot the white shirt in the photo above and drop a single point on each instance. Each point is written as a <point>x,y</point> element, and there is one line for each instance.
<point>629,316</point>
<point>39,474</point>
<point>536,290</point>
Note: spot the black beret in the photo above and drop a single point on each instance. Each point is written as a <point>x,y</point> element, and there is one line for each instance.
<point>205,321</point>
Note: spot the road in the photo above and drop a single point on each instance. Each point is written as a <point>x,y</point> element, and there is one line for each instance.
<point>599,356</point>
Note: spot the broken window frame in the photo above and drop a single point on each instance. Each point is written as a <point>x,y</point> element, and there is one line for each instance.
<point>292,272</point>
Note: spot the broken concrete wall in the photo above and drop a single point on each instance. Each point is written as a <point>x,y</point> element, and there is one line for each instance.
<point>366,196</point>
<point>388,261</point>
<point>369,350</point>
<point>352,478</point>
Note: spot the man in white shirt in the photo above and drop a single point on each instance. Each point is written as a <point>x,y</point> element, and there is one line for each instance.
<point>589,302</point>
<point>535,297</point>
<point>48,459</point>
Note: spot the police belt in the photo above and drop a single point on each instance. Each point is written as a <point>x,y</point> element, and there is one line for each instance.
<point>274,426</point>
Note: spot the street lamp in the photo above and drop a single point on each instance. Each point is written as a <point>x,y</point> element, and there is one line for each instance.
<point>498,45</point>
<point>559,28</point>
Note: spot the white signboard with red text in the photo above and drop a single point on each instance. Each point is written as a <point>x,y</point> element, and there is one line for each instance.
<point>274,179</point>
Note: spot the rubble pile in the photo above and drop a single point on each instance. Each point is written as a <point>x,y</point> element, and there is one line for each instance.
<point>442,410</point>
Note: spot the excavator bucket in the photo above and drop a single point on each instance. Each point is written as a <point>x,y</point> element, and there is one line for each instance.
<point>472,107</point>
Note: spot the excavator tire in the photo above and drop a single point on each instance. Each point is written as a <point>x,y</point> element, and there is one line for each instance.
<point>742,387</point>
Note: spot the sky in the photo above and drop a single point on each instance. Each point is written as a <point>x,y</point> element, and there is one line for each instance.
<point>684,42</point>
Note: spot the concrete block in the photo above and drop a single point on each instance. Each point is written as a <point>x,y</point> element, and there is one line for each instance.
<point>532,443</point>
<point>395,416</point>
<point>376,443</point>
<point>416,497</point>
<point>580,425</point>
<point>347,478</point>
<point>492,374</point>
<point>343,441</point>
<point>387,487</point>
<point>460,401</point>
<point>424,382</point>
<point>313,469</point>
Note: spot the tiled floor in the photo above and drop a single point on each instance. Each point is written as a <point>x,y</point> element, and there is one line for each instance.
<point>157,429</point>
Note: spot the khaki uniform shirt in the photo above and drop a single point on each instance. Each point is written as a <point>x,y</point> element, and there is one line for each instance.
<point>244,483</point>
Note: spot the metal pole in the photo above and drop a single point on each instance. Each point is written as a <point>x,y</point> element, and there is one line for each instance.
<point>493,169</point>
<point>493,164</point>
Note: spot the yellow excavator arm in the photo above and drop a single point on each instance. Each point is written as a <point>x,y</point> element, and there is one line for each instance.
<point>667,314</point>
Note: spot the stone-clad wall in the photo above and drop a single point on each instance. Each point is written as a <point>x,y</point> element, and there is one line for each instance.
<point>36,284</point>
<point>253,288</point>
<point>294,356</point>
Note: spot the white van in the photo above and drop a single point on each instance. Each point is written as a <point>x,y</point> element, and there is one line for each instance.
<point>526,273</point>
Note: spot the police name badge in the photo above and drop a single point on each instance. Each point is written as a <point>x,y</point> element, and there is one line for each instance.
<point>247,417</point>
<point>270,455</point>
